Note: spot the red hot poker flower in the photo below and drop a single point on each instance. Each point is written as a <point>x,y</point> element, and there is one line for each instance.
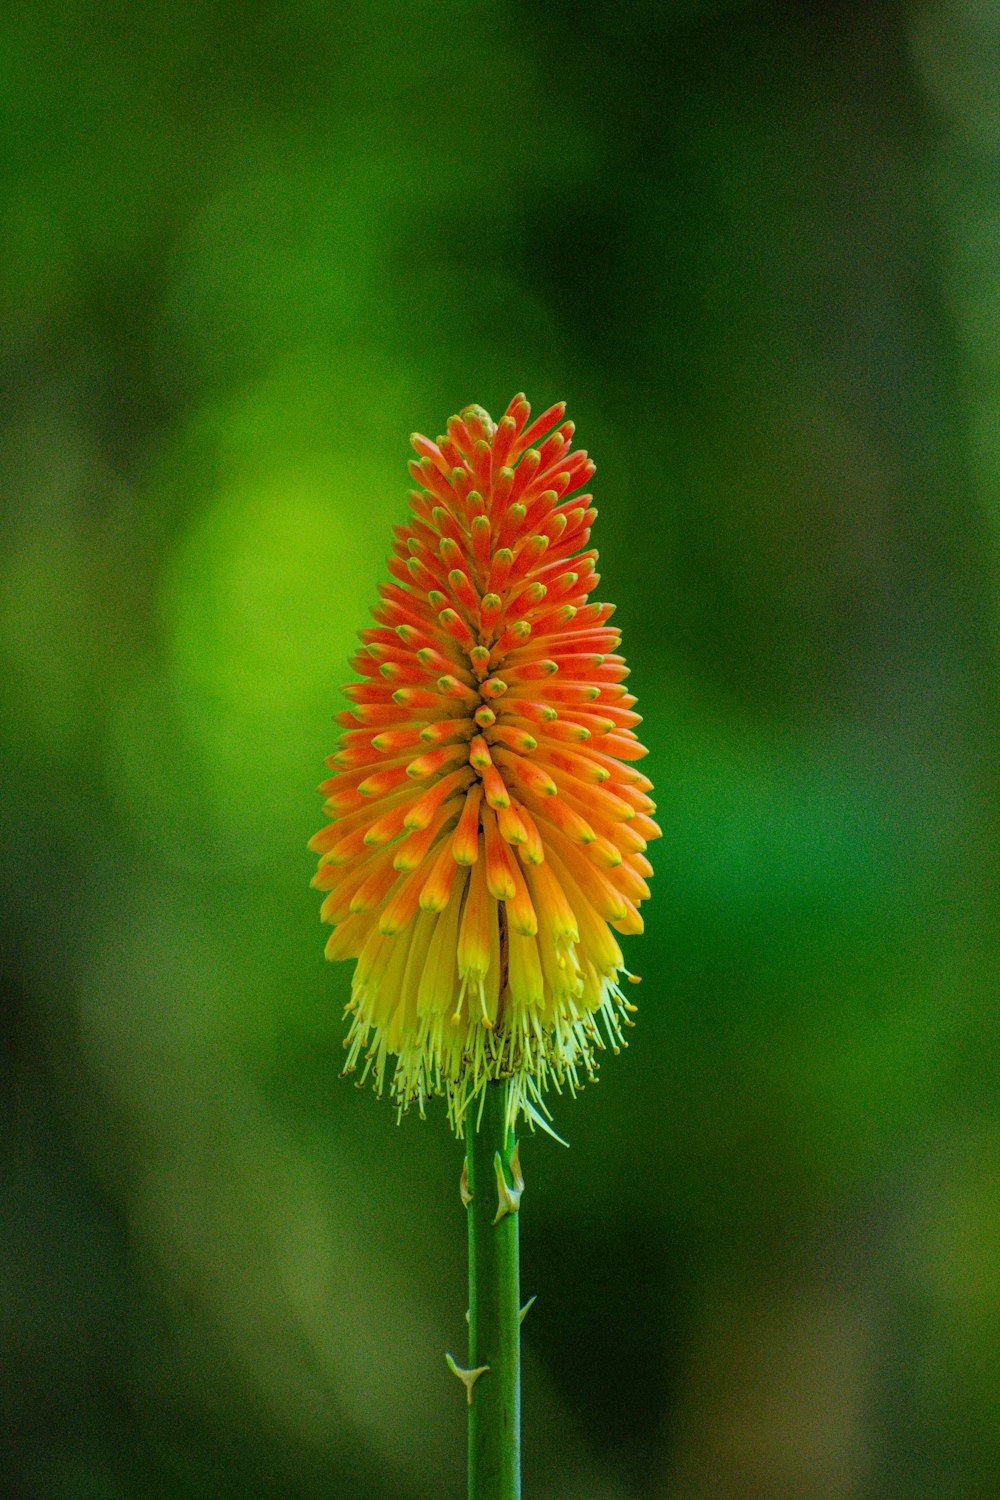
<point>488,824</point>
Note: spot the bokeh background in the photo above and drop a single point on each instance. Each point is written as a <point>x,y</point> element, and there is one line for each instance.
<point>246,249</point>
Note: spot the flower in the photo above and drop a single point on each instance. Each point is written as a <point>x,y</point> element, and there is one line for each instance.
<point>488,825</point>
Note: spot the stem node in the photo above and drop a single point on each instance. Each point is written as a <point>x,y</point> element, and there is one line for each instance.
<point>508,1197</point>
<point>467,1377</point>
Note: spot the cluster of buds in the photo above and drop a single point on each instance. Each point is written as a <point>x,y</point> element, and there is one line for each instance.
<point>488,825</point>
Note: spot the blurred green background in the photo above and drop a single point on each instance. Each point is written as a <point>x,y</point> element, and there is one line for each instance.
<point>245,251</point>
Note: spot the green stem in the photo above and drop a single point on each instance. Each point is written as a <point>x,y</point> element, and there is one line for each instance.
<point>494,1306</point>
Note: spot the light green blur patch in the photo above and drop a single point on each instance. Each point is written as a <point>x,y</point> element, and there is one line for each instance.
<point>261,604</point>
<point>290,490</point>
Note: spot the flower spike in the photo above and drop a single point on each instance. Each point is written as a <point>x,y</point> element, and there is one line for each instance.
<point>489,824</point>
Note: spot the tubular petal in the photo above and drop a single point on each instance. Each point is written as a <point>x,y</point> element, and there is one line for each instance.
<point>499,864</point>
<point>474,937</point>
